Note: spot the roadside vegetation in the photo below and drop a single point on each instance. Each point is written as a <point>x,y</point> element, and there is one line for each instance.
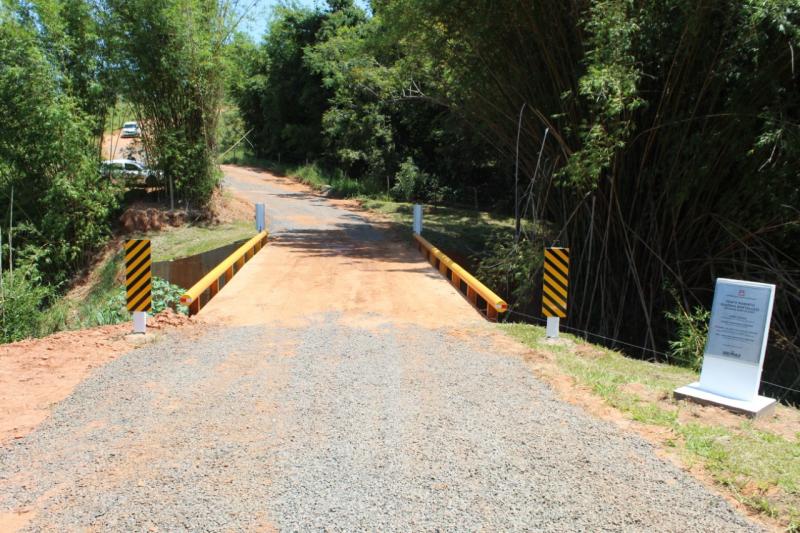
<point>758,463</point>
<point>658,141</point>
<point>70,72</point>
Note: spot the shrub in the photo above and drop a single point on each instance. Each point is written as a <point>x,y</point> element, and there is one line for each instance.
<point>692,332</point>
<point>415,185</point>
<point>114,310</point>
<point>21,300</point>
<point>511,268</point>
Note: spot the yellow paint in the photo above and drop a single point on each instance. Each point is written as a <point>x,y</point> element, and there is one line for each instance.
<point>555,297</point>
<point>555,273</point>
<point>561,253</point>
<point>485,292</point>
<point>192,296</point>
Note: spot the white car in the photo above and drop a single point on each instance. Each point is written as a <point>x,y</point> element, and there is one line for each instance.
<point>129,171</point>
<point>131,129</point>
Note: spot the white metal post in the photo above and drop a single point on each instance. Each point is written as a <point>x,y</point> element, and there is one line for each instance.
<point>140,321</point>
<point>552,327</point>
<point>261,217</point>
<point>417,219</point>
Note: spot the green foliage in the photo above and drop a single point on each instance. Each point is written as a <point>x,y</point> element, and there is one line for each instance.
<point>514,268</point>
<point>758,466</point>
<point>413,185</point>
<point>691,334</point>
<point>22,296</point>
<point>114,311</point>
<point>283,100</point>
<point>47,157</point>
<point>172,69</point>
<point>71,33</point>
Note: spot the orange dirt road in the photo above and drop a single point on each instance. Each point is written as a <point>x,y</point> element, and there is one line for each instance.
<point>322,257</point>
<point>338,382</point>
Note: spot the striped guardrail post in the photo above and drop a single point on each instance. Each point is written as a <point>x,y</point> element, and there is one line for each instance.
<point>555,288</point>
<point>138,281</point>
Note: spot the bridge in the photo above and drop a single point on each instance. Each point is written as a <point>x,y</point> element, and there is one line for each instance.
<point>339,381</point>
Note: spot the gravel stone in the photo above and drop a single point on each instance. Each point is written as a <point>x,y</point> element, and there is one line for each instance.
<point>339,428</point>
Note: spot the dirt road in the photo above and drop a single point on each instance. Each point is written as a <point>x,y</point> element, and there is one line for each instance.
<point>341,385</point>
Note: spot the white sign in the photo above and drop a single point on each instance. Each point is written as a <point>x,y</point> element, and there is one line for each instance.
<point>737,338</point>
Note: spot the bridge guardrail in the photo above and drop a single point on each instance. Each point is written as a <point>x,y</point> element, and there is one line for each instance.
<point>228,267</point>
<point>494,304</point>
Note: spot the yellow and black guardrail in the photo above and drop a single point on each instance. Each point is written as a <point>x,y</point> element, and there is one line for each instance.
<point>227,268</point>
<point>462,280</point>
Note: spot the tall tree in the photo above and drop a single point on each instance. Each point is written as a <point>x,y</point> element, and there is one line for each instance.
<point>169,55</point>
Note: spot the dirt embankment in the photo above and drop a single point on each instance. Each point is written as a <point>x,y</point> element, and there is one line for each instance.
<point>35,374</point>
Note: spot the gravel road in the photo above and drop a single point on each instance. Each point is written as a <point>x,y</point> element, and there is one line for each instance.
<point>355,417</point>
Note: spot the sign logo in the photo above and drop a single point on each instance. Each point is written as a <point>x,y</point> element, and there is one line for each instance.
<point>741,293</point>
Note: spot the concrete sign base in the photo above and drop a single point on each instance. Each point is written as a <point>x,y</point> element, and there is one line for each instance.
<point>758,407</point>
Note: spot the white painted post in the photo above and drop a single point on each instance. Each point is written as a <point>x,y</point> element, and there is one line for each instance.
<point>140,321</point>
<point>417,219</point>
<point>552,327</point>
<point>261,216</point>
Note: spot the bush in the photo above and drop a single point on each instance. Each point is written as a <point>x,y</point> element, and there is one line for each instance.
<point>511,268</point>
<point>21,300</point>
<point>114,310</point>
<point>415,185</point>
<point>692,332</point>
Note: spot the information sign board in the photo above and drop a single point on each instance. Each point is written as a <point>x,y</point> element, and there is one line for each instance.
<point>737,338</point>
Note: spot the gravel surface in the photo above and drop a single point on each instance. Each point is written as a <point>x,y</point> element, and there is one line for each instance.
<point>341,428</point>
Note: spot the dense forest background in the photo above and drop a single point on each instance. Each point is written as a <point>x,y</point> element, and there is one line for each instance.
<point>658,140</point>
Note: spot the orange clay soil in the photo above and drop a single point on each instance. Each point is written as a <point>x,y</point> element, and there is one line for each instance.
<point>35,374</point>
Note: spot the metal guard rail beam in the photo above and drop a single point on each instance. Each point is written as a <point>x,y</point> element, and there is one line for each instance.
<point>494,304</point>
<point>226,268</point>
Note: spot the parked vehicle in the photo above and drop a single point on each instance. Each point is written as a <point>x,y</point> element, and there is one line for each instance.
<point>131,129</point>
<point>131,172</point>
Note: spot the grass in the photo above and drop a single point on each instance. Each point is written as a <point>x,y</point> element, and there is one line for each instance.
<point>461,233</point>
<point>194,239</point>
<point>91,307</point>
<point>758,467</point>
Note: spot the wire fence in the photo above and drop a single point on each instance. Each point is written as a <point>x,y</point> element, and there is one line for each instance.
<point>666,356</point>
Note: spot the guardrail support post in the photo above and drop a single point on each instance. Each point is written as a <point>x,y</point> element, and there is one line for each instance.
<point>140,321</point>
<point>417,219</point>
<point>214,288</point>
<point>472,296</point>
<point>229,274</point>
<point>552,327</point>
<point>491,313</point>
<point>261,217</point>
<point>194,307</point>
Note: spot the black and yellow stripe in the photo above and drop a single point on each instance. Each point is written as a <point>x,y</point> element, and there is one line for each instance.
<point>138,280</point>
<point>556,282</point>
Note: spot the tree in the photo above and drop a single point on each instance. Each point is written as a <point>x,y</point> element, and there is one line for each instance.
<point>168,54</point>
<point>47,157</point>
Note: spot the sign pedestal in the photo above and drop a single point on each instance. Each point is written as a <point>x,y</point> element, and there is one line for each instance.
<point>756,408</point>
<point>735,349</point>
<point>140,322</point>
<point>552,327</point>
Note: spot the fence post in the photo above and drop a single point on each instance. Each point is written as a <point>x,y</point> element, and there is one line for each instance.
<point>417,219</point>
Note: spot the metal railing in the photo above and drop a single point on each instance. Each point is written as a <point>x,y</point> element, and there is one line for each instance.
<point>456,274</point>
<point>227,268</point>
